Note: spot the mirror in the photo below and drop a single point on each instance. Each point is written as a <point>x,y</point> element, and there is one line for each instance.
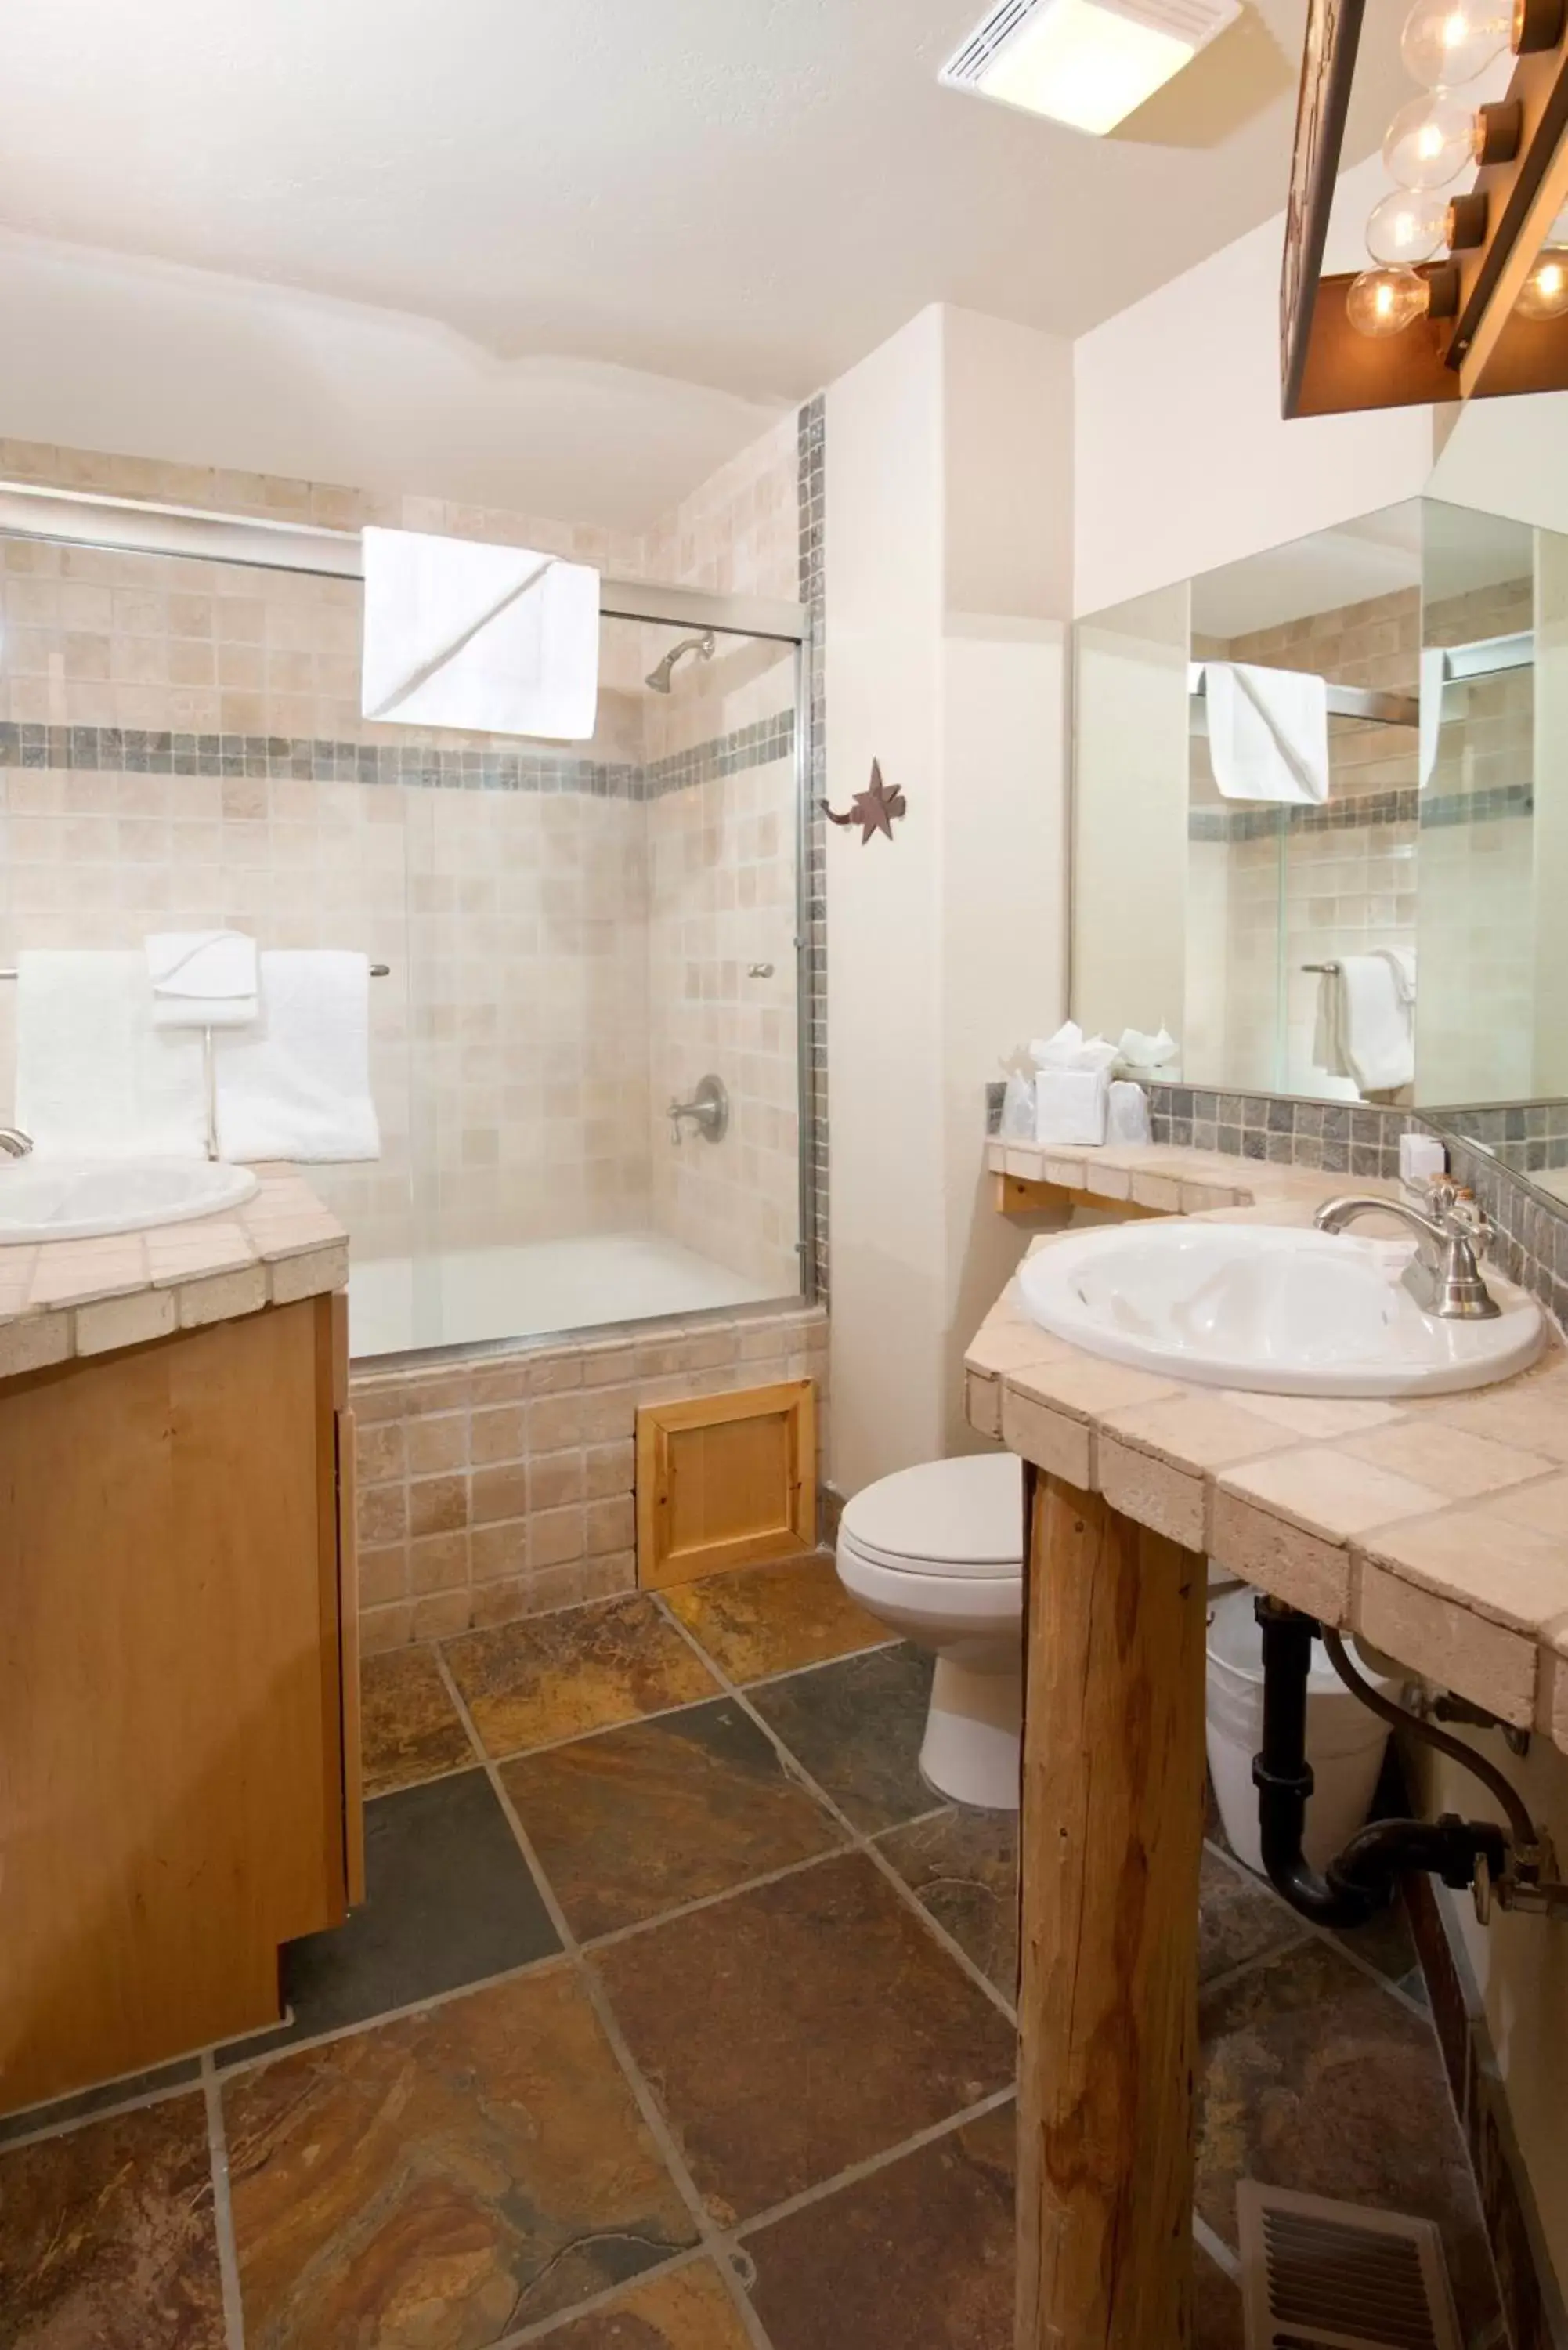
<point>1320,820</point>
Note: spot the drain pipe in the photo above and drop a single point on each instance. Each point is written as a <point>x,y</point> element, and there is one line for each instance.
<point>1364,1878</point>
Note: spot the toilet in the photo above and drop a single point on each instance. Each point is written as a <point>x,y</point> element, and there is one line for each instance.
<point>936,1553</point>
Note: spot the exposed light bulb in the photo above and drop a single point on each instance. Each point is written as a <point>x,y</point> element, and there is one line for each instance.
<point>1431,141</point>
<point>1544,294</point>
<point>1386,301</point>
<point>1450,41</point>
<point>1410,226</point>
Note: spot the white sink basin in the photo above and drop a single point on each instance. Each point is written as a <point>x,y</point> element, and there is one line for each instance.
<point>1285,1311</point>
<point>78,1199</point>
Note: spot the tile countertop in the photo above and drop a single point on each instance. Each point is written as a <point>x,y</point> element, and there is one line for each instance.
<point>1437,1526</point>
<point>61,1298</point>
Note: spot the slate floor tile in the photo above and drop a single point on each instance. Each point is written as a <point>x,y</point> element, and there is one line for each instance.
<point>920,2251</point>
<point>689,2309</point>
<point>801,2026</point>
<point>770,1620</point>
<point>107,2236</point>
<point>857,1727</point>
<point>443,2179</point>
<point>963,1865</point>
<point>450,1900</point>
<point>552,1677</point>
<point>409,1729</point>
<point>641,1819</point>
<point>1314,2077</point>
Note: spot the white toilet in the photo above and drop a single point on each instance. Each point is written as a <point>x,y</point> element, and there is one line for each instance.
<point>937,1553</point>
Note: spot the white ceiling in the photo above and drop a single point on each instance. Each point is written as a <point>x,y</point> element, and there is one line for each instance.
<point>747,194</point>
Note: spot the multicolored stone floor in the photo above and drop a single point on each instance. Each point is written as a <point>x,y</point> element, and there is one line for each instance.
<point>678,2018</point>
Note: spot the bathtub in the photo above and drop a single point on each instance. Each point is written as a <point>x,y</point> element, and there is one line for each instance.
<point>471,1296</point>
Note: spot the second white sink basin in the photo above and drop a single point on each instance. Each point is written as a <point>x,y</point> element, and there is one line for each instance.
<point>1278,1309</point>
<point>81,1199</point>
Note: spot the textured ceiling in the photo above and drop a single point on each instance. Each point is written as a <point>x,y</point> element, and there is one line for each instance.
<point>743,194</point>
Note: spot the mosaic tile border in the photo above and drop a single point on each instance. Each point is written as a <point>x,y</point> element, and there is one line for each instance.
<point>1357,1139</point>
<point>1528,1137</point>
<point>417,767</point>
<point>813,449</point>
<point>1408,805</point>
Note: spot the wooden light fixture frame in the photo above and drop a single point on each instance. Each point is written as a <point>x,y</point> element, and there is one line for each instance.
<point>1481,348</point>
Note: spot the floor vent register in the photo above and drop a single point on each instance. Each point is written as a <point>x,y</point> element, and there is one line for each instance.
<point>1317,2275</point>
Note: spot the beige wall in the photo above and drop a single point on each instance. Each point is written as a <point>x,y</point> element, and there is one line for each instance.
<point>946,946</point>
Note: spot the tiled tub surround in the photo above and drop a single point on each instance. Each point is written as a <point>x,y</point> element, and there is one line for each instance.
<point>180,742</point>
<point>65,1298</point>
<point>502,1485</point>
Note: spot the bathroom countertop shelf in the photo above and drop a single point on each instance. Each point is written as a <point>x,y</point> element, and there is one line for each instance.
<point>1437,1527</point>
<point>1160,1178</point>
<point>60,1299</point>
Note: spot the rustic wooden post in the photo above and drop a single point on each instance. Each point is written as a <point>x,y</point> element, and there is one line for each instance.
<point>1112,1832</point>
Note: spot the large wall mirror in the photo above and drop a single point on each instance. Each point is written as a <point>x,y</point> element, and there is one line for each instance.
<point>1320,823</point>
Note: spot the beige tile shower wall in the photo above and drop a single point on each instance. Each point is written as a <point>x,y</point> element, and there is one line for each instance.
<point>739,532</point>
<point>721,904</point>
<point>503,1486</point>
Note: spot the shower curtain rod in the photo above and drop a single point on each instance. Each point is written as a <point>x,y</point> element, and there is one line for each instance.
<point>1355,701</point>
<point>136,526</point>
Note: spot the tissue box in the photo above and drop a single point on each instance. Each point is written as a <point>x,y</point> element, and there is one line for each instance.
<point>1070,1106</point>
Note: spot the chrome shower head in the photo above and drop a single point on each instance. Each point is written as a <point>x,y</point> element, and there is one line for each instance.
<point>702,646</point>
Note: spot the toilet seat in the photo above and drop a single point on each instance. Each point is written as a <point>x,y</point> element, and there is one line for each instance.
<point>960,1519</point>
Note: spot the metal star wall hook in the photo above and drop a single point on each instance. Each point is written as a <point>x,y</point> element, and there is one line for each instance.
<point>873,809</point>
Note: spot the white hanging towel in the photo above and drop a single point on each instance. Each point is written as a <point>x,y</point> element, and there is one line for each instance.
<point>298,1085</point>
<point>1367,1020</point>
<point>497,639</point>
<point>202,979</point>
<point>94,1080</point>
<point>1268,733</point>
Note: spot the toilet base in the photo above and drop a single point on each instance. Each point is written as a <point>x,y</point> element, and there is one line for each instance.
<point>972,1731</point>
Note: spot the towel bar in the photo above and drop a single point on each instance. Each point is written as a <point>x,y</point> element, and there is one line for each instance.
<point>1330,970</point>
<point>378,971</point>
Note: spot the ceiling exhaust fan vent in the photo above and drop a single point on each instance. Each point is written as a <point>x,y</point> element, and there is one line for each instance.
<point>1318,2275</point>
<point>1195,22</point>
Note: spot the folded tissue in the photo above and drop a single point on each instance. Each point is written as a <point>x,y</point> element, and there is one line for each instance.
<point>1126,1113</point>
<point>1071,1087</point>
<point>1142,1056</point>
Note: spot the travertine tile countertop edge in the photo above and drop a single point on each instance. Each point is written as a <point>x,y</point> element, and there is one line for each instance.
<point>1437,1527</point>
<point>65,1298</point>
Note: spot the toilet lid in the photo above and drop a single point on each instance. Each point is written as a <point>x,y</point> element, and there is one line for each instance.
<point>946,1517</point>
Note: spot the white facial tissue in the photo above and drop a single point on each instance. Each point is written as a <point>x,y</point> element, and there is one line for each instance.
<point>1126,1113</point>
<point>1070,1049</point>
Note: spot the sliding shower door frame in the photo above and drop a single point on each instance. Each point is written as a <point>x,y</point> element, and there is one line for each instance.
<point>141,527</point>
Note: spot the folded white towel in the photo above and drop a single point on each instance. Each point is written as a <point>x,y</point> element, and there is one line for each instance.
<point>94,1077</point>
<point>1070,1106</point>
<point>202,979</point>
<point>298,1084</point>
<point>500,639</point>
<point>1367,1020</point>
<point>1268,733</point>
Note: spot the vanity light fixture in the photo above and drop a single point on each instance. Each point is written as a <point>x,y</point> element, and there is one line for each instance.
<point>1467,281</point>
<point>1086,63</point>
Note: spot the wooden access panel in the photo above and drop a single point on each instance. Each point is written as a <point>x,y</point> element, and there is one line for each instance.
<point>172,1796</point>
<point>725,1479</point>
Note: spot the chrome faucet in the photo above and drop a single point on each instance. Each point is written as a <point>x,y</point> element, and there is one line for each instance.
<point>1443,1276</point>
<point>15,1142</point>
<point>709,1110</point>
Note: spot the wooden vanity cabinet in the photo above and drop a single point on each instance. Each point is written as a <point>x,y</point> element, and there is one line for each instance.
<point>179,1738</point>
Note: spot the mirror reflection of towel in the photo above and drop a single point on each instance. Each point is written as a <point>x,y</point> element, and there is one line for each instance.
<point>1268,733</point>
<point>1367,1020</point>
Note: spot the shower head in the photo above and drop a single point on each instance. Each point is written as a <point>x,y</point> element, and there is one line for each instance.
<point>702,646</point>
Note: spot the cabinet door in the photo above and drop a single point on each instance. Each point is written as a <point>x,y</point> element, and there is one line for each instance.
<point>171,1708</point>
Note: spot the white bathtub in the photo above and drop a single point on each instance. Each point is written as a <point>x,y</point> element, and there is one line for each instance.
<point>398,1304</point>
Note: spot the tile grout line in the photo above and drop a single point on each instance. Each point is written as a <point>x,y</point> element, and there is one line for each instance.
<point>653,2119</point>
<point>223,2207</point>
<point>1206,2238</point>
<point>869,2165</point>
<point>431,2001</point>
<point>862,1843</point>
<point>69,2122</point>
<point>541,2328</point>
